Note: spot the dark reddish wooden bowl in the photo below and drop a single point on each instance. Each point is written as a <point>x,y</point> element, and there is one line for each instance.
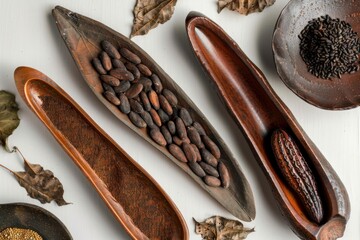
<point>334,94</point>
<point>258,111</point>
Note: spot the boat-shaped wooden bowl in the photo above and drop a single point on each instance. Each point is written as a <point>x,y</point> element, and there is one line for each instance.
<point>258,111</point>
<point>133,196</point>
<point>83,37</point>
<point>334,94</point>
<point>28,216</point>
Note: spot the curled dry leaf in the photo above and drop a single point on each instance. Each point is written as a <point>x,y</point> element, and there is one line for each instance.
<point>9,119</point>
<point>219,228</point>
<point>149,13</point>
<point>244,6</point>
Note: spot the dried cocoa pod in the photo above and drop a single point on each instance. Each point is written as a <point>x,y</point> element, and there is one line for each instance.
<point>157,136</point>
<point>211,146</point>
<point>107,87</point>
<point>123,87</point>
<point>111,97</point>
<point>98,66</point>
<point>189,152</point>
<point>147,118</point>
<point>112,81</point>
<point>154,99</point>
<point>171,127</point>
<point>145,101</point>
<point>137,120</point>
<point>155,116</point>
<point>158,87</point>
<point>134,90</point>
<point>170,96</point>
<point>124,104</point>
<point>166,134</point>
<point>180,128</point>
<point>199,128</point>
<point>136,106</point>
<point>165,105</point>
<point>208,157</point>
<point>105,61</point>
<point>163,116</point>
<point>197,152</point>
<point>133,69</point>
<point>185,116</point>
<point>177,153</point>
<point>147,83</point>
<point>122,74</point>
<point>212,181</point>
<point>144,70</point>
<point>195,167</point>
<point>297,173</point>
<point>224,175</point>
<point>110,49</point>
<point>194,137</point>
<point>209,169</point>
<point>118,64</point>
<point>129,55</point>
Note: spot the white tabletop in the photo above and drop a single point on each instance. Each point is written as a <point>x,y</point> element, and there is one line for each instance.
<point>29,37</point>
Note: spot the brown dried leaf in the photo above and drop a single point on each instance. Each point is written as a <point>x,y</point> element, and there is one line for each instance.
<point>244,6</point>
<point>149,13</point>
<point>219,228</point>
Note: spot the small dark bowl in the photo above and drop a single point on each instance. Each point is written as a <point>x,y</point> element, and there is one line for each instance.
<point>23,215</point>
<point>334,94</point>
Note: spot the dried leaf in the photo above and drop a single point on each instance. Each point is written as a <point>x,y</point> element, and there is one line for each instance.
<point>219,228</point>
<point>244,6</point>
<point>9,119</point>
<point>149,13</point>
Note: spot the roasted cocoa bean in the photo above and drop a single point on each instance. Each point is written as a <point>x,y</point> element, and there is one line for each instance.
<point>147,83</point>
<point>177,153</point>
<point>105,61</point>
<point>122,74</point>
<point>129,55</point>
<point>297,173</point>
<point>163,116</point>
<point>144,70</point>
<point>158,87</point>
<point>212,181</point>
<point>157,136</point>
<point>209,169</point>
<point>118,64</point>
<point>170,96</point>
<point>185,116</point>
<point>207,157</point>
<point>110,96</point>
<point>195,167</point>
<point>134,90</point>
<point>147,118</point>
<point>155,116</point>
<point>123,87</point>
<point>199,128</point>
<point>171,127</point>
<point>165,132</point>
<point>145,101</point>
<point>110,49</point>
<point>194,137</point>
<point>137,120</point>
<point>177,140</point>
<point>107,87</point>
<point>154,99</point>
<point>180,128</point>
<point>136,106</point>
<point>224,174</point>
<point>211,146</point>
<point>189,152</point>
<point>133,69</point>
<point>98,66</point>
<point>197,152</point>
<point>124,104</point>
<point>112,81</point>
<point>165,105</point>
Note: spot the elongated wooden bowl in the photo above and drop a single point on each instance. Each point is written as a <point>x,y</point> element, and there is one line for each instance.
<point>258,111</point>
<point>83,36</point>
<point>133,196</point>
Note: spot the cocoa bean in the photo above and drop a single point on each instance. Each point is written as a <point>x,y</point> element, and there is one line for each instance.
<point>136,106</point>
<point>209,169</point>
<point>123,87</point>
<point>207,157</point>
<point>199,128</point>
<point>98,66</point>
<point>158,87</point>
<point>185,116</point>
<point>107,87</point>
<point>129,55</point>
<point>194,137</point>
<point>133,69</point>
<point>147,83</point>
<point>110,96</point>
<point>195,167</point>
<point>134,90</point>
<point>147,118</point>
<point>145,101</point>
<point>157,136</point>
<point>121,74</point>
<point>189,152</point>
<point>197,152</point>
<point>170,96</point>
<point>144,70</point>
<point>212,181</point>
<point>154,99</point>
<point>177,153</point>
<point>112,81</point>
<point>105,61</point>
<point>155,116</point>
<point>180,128</point>
<point>110,49</point>
<point>165,105</point>
<point>137,120</point>
<point>165,132</point>
<point>171,127</point>
<point>163,116</point>
<point>118,64</point>
<point>224,174</point>
<point>177,140</point>
<point>124,104</point>
<point>211,146</point>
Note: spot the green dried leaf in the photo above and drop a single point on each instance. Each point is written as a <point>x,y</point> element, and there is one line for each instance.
<point>219,228</point>
<point>244,6</point>
<point>9,119</point>
<point>149,13</point>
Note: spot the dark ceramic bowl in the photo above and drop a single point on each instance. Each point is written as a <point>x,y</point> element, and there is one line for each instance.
<point>23,215</point>
<point>334,94</point>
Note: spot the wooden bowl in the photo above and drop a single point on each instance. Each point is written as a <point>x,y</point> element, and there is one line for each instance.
<point>334,94</point>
